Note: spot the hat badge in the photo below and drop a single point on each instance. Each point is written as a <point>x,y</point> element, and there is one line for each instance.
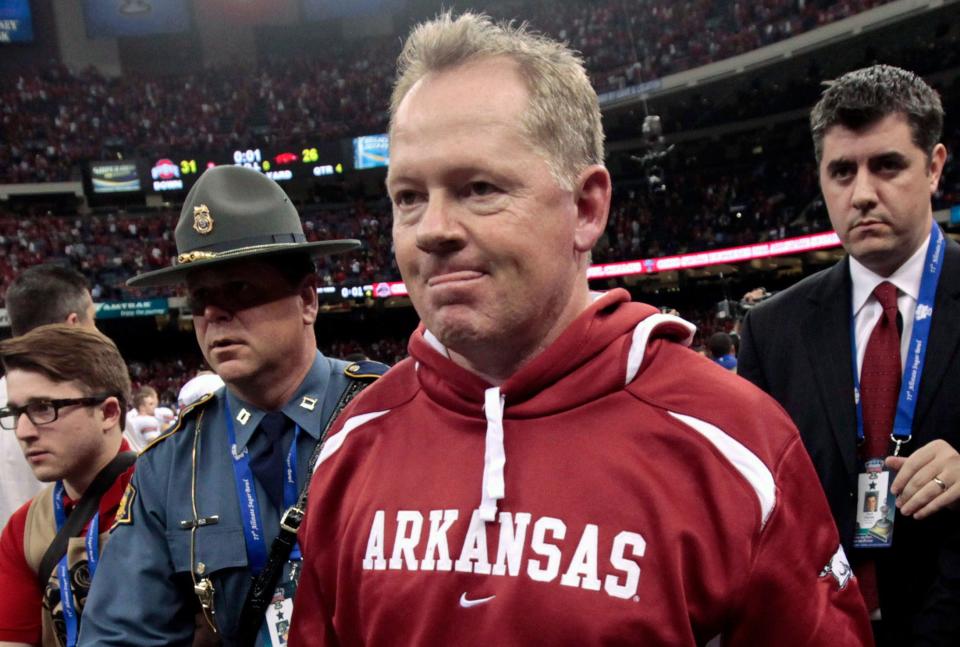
<point>202,220</point>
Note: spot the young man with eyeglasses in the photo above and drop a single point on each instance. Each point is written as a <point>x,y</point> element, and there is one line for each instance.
<point>67,393</point>
<point>41,294</point>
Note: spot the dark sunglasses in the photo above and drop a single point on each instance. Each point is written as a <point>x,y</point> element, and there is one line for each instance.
<point>234,296</point>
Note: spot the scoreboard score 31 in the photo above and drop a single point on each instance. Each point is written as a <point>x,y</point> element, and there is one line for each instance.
<point>282,165</point>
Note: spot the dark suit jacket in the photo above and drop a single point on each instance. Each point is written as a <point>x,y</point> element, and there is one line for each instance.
<point>796,347</point>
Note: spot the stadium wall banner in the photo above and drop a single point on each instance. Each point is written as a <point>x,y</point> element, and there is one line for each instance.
<point>955,215</point>
<point>797,245</point>
<point>371,151</point>
<point>606,98</point>
<point>16,21</point>
<point>126,309</point>
<point>113,18</point>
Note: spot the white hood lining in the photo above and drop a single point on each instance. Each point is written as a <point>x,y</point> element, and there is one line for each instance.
<point>641,335</point>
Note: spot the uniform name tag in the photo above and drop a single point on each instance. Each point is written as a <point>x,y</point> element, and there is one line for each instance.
<point>876,506</point>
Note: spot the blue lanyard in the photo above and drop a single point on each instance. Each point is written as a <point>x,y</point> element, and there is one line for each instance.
<point>70,615</point>
<point>917,350</point>
<point>247,494</point>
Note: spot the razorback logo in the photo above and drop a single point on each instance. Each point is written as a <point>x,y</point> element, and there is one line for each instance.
<point>839,569</point>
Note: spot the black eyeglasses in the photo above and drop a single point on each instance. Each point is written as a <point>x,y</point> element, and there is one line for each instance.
<point>43,412</point>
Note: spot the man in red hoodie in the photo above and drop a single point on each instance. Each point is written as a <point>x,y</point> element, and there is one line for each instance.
<point>552,465</point>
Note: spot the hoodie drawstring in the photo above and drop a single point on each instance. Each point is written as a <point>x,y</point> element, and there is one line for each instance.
<point>494,456</point>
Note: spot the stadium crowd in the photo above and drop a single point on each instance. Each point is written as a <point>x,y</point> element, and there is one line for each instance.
<point>768,198</point>
<point>54,118</point>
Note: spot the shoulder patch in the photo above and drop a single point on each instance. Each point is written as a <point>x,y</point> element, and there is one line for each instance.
<point>185,413</point>
<point>365,370</point>
<point>125,510</point>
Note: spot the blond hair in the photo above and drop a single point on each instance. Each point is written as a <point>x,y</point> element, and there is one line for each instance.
<point>562,121</point>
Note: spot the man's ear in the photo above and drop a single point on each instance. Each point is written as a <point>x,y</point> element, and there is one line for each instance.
<point>308,297</point>
<point>73,319</point>
<point>112,410</point>
<point>937,160</point>
<point>593,206</point>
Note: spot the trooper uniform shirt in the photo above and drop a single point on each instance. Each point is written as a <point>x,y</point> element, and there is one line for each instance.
<point>151,551</point>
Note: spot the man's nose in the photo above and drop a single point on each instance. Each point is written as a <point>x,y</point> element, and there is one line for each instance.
<point>24,427</point>
<point>439,229</point>
<point>864,197</point>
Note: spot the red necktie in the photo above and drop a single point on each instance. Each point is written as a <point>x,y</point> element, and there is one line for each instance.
<point>880,376</point>
<point>879,390</point>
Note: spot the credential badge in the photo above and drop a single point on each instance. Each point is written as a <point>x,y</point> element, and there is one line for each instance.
<point>202,220</point>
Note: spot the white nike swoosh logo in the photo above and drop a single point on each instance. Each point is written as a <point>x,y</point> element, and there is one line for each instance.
<point>466,604</point>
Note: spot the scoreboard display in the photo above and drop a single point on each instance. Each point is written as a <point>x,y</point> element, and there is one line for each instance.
<point>177,172</point>
<point>167,174</point>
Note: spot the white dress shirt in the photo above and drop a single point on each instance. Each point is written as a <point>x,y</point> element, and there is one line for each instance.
<point>17,482</point>
<point>867,309</point>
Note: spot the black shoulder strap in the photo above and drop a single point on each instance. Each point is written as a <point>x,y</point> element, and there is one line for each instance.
<point>82,513</point>
<point>263,585</point>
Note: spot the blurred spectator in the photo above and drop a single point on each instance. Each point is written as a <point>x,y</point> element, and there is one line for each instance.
<point>142,424</point>
<point>720,350</point>
<point>203,383</point>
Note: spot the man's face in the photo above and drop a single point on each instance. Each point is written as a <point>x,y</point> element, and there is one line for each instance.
<point>66,447</point>
<point>149,406</point>
<point>877,185</point>
<point>486,240</point>
<point>249,320</point>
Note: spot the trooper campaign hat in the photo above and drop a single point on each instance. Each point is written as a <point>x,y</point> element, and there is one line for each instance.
<point>235,213</point>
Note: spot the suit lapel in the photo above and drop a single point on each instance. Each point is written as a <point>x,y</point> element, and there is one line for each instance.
<point>944,334</point>
<point>826,336</point>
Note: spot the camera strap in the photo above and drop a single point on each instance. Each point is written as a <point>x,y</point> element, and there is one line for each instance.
<point>81,514</point>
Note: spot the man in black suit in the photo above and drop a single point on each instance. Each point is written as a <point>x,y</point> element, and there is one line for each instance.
<point>814,346</point>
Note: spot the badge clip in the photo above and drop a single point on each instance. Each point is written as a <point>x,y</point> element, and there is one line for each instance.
<point>898,443</point>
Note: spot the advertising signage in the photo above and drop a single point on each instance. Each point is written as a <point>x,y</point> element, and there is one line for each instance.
<point>16,22</point>
<point>114,177</point>
<point>371,151</point>
<point>125,309</point>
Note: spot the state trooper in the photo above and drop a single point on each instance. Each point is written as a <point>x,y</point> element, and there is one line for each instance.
<point>206,548</point>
